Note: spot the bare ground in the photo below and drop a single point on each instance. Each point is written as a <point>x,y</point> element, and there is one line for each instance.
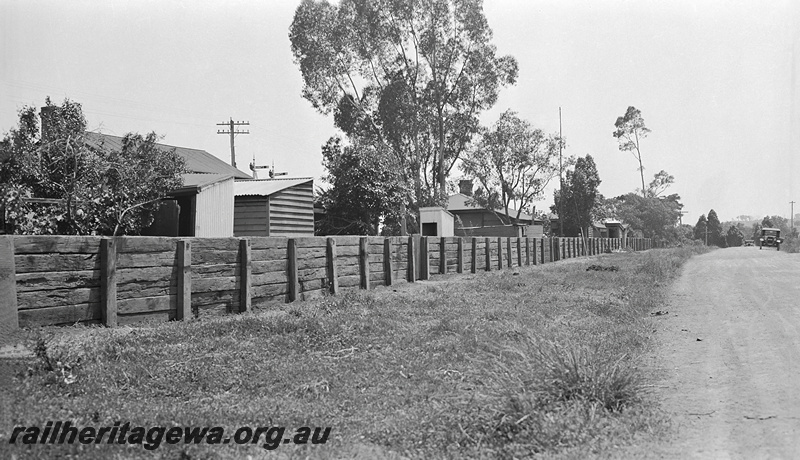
<point>728,357</point>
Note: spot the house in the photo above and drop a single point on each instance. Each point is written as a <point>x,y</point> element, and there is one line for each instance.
<point>609,228</point>
<point>274,207</point>
<point>204,206</point>
<point>473,220</point>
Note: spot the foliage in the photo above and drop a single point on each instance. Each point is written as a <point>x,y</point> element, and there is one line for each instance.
<point>700,228</point>
<point>630,131</point>
<point>657,218</point>
<point>734,237</point>
<point>365,190</point>
<point>58,182</point>
<point>413,75</point>
<point>660,183</point>
<point>136,176</point>
<point>715,235</point>
<point>580,197</point>
<point>513,162</point>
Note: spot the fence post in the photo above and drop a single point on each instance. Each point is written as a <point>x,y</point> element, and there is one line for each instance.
<point>108,281</point>
<point>488,255</point>
<point>387,261</point>
<point>363,262</point>
<point>411,270</point>
<point>442,256</point>
<point>9,316</point>
<point>425,263</point>
<point>473,266</point>
<point>246,279</point>
<point>519,252</point>
<point>291,254</point>
<point>508,252</point>
<point>499,252</point>
<point>460,256</point>
<point>184,299</point>
<point>535,254</point>
<point>330,259</point>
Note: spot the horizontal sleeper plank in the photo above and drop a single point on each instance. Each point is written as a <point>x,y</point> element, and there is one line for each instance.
<point>156,259</point>
<point>33,263</point>
<point>44,244</point>
<point>149,317</point>
<point>57,280</point>
<point>214,284</point>
<point>57,297</point>
<point>206,298</point>
<point>132,291</point>
<point>146,304</point>
<point>269,278</point>
<point>145,244</point>
<point>65,314</point>
<point>215,244</point>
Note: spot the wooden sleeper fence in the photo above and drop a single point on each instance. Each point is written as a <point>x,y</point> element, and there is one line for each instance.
<point>48,280</point>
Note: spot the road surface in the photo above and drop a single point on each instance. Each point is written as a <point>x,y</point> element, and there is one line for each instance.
<point>729,356</point>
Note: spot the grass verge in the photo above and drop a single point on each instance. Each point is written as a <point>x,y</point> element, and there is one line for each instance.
<point>538,361</point>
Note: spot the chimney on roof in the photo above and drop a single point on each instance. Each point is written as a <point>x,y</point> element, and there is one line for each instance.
<point>465,186</point>
<point>47,116</point>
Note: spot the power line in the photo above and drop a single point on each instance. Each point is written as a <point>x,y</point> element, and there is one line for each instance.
<point>233,131</point>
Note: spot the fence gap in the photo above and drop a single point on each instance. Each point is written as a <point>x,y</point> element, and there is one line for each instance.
<point>387,261</point>
<point>442,256</point>
<point>460,256</point>
<point>473,266</point>
<point>291,255</point>
<point>184,299</point>
<point>245,276</point>
<point>411,269</point>
<point>363,262</point>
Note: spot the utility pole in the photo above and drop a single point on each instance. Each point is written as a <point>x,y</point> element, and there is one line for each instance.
<point>792,215</point>
<point>560,181</point>
<point>233,131</point>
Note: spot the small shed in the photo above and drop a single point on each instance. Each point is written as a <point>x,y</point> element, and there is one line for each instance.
<point>436,221</point>
<point>274,207</point>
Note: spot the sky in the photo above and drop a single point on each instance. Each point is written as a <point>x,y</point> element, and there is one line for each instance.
<point>717,82</point>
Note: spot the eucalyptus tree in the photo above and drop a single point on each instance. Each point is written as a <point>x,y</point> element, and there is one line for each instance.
<point>413,75</point>
<point>579,197</point>
<point>514,163</point>
<point>630,131</point>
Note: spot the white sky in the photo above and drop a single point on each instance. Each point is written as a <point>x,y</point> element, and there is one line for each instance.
<point>716,81</point>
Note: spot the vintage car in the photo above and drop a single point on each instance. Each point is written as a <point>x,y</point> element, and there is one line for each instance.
<point>748,243</point>
<point>770,237</point>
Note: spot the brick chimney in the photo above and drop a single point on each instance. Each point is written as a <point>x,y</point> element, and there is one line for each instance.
<point>48,113</point>
<point>465,186</point>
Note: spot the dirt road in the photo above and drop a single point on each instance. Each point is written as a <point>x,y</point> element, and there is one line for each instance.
<point>729,356</point>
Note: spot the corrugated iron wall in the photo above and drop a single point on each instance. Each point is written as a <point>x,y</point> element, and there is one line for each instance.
<point>214,211</point>
<point>291,211</point>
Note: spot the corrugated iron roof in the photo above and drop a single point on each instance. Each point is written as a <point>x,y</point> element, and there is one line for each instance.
<point>265,187</point>
<point>458,202</point>
<point>197,161</point>
<point>196,182</point>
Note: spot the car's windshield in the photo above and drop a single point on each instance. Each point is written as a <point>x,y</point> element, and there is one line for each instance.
<point>769,232</point>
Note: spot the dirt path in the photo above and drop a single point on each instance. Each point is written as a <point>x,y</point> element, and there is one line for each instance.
<point>729,353</point>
